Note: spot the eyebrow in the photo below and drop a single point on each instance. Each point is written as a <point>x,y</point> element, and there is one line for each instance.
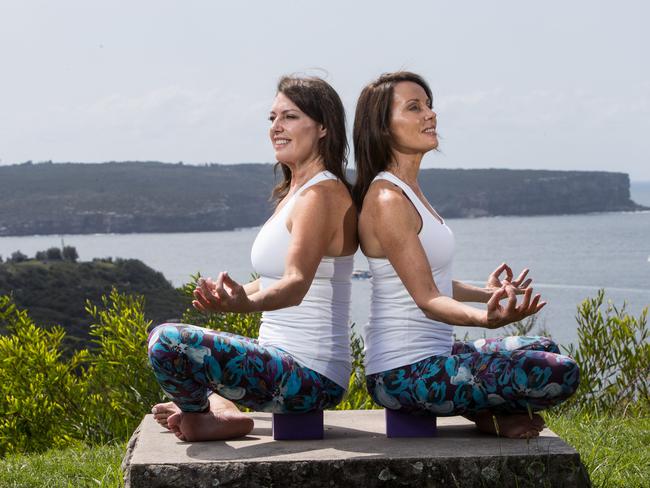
<point>418,100</point>
<point>285,111</point>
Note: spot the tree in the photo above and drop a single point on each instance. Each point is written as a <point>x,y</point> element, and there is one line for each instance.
<point>17,257</point>
<point>54,254</point>
<point>70,254</point>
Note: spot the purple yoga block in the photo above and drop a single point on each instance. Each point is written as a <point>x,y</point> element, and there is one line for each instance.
<point>298,426</point>
<point>400,424</point>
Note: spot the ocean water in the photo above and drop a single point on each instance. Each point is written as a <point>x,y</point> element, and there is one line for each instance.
<point>570,258</point>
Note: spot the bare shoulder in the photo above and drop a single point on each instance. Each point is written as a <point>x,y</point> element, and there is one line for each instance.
<point>329,193</point>
<point>385,200</point>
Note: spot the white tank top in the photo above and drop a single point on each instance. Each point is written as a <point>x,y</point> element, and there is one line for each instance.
<point>316,332</point>
<point>398,333</point>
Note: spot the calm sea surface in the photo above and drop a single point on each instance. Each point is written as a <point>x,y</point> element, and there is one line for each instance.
<point>570,258</point>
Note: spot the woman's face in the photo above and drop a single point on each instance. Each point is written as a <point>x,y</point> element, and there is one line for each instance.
<point>412,122</point>
<point>293,134</point>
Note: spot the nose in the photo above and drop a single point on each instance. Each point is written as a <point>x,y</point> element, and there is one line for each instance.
<point>431,114</point>
<point>276,125</point>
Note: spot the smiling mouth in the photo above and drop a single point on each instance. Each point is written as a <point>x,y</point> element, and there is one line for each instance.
<point>431,130</point>
<point>281,142</point>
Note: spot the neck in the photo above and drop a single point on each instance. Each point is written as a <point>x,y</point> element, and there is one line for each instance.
<point>406,167</point>
<point>301,173</point>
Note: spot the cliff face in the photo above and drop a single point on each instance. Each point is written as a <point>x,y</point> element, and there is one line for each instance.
<point>156,197</point>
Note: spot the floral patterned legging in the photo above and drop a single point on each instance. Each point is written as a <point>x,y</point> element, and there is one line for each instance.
<point>502,375</point>
<point>188,361</point>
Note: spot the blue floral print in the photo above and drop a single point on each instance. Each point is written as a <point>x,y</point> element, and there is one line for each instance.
<point>188,361</point>
<point>514,374</point>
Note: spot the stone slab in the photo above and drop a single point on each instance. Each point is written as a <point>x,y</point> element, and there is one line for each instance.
<point>355,452</point>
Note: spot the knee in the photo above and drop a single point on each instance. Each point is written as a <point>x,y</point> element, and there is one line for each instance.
<point>162,340</point>
<point>571,375</point>
<point>549,345</point>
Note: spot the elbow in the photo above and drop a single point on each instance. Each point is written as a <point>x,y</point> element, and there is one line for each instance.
<point>298,290</point>
<point>433,309</point>
<point>425,306</point>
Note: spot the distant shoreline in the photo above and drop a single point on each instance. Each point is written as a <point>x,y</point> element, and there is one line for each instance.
<point>644,211</point>
<point>153,197</point>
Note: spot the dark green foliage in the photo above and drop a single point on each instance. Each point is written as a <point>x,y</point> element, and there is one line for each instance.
<point>17,257</point>
<point>55,292</point>
<point>70,254</point>
<point>54,254</point>
<point>613,353</point>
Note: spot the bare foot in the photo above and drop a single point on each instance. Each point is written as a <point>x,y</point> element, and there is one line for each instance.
<point>513,426</point>
<point>162,411</point>
<point>210,425</point>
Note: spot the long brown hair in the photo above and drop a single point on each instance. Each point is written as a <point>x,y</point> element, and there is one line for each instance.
<point>320,102</point>
<point>371,135</point>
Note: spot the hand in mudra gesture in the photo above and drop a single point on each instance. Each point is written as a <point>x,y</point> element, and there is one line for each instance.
<point>222,295</point>
<point>499,315</point>
<point>494,281</point>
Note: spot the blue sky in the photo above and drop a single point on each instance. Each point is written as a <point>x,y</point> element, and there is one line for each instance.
<point>544,85</point>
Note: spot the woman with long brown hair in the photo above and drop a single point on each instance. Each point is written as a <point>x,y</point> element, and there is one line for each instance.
<point>412,362</point>
<point>304,256</point>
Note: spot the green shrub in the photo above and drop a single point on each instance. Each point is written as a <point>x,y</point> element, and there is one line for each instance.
<point>357,396</point>
<point>613,354</point>
<point>97,395</point>
<point>121,386</point>
<point>40,393</point>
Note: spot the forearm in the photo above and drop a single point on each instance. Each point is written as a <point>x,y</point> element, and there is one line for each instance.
<point>450,311</point>
<point>252,287</point>
<point>468,293</point>
<point>286,292</point>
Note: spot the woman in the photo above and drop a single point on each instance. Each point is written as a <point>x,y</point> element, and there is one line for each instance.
<point>304,256</point>
<point>412,363</point>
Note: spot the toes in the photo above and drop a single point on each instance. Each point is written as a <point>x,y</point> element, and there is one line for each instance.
<point>174,421</point>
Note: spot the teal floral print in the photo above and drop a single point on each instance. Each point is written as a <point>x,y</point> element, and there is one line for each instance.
<point>190,361</point>
<point>508,375</point>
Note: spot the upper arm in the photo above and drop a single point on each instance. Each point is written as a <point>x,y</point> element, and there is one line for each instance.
<point>396,229</point>
<point>312,228</point>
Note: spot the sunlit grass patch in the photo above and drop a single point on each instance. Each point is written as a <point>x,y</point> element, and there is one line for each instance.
<point>74,467</point>
<point>614,449</point>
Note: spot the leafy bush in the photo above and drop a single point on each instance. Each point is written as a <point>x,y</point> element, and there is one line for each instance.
<point>357,396</point>
<point>121,387</point>
<point>613,354</point>
<point>97,395</point>
<point>39,392</point>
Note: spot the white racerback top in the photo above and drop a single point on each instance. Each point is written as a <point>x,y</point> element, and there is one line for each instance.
<point>316,332</point>
<point>398,333</point>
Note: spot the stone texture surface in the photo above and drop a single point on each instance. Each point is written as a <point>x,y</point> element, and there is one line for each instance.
<point>356,453</point>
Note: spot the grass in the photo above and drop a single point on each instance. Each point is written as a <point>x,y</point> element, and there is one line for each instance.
<point>74,467</point>
<point>614,450</point>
